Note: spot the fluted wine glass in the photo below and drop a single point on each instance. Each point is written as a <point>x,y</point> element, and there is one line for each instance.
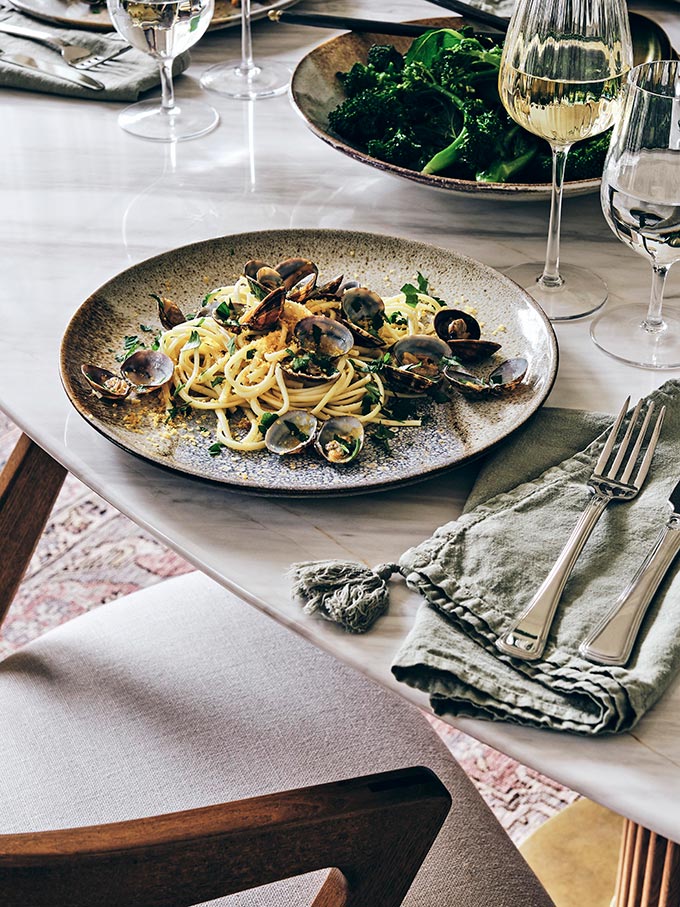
<point>244,79</point>
<point>563,65</point>
<point>164,29</point>
<point>641,202</point>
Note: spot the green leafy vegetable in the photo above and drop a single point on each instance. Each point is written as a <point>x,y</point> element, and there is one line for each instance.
<point>216,449</point>
<point>437,109</point>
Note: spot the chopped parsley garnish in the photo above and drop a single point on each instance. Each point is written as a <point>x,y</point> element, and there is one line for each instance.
<point>371,397</point>
<point>375,365</point>
<point>131,344</point>
<point>226,315</point>
<point>177,390</point>
<point>250,354</point>
<point>265,421</point>
<point>156,342</point>
<point>423,287</point>
<point>397,318</point>
<point>145,328</point>
<point>258,291</point>
<point>295,431</point>
<point>215,449</point>
<point>193,342</point>
<point>411,294</point>
<point>177,409</point>
<point>382,435</point>
<point>231,346</point>
<point>350,446</point>
<point>218,379</point>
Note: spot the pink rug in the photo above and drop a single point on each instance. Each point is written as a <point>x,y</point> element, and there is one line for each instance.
<point>90,554</point>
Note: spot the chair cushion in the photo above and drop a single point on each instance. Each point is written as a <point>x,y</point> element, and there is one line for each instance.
<point>183,696</point>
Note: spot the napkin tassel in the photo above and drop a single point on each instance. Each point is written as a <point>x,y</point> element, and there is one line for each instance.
<point>347,593</point>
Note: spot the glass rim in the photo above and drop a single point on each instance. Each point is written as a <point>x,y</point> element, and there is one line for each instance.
<point>647,67</point>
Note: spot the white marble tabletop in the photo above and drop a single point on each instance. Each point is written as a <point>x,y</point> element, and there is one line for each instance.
<point>82,200</point>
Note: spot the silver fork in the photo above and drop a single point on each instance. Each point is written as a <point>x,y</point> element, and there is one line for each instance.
<point>527,636</point>
<point>74,54</point>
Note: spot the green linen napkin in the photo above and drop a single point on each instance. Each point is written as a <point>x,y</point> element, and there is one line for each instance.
<point>478,572</point>
<point>124,78</point>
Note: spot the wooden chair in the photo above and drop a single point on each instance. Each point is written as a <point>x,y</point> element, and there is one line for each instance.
<point>124,732</point>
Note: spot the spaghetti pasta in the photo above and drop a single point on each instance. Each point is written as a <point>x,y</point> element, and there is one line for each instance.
<point>240,374</point>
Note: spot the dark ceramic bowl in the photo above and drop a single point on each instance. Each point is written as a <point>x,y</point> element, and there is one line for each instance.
<point>316,91</point>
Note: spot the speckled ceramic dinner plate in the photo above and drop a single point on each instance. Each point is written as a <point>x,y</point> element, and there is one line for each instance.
<point>316,90</point>
<point>453,433</point>
<point>95,16</point>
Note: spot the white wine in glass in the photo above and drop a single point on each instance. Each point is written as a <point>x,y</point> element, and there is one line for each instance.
<point>641,202</point>
<point>164,29</point>
<point>561,78</point>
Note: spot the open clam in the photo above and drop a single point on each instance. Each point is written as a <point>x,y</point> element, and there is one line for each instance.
<point>321,342</point>
<point>416,363</point>
<point>292,270</point>
<point>340,439</point>
<point>364,314</point>
<point>169,313</point>
<point>505,378</point>
<point>462,332</point>
<point>267,312</point>
<point>291,433</point>
<point>147,370</point>
<point>104,383</point>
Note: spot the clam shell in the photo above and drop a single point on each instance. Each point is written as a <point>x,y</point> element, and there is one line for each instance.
<point>105,384</point>
<point>148,369</point>
<point>332,434</point>
<point>291,433</point>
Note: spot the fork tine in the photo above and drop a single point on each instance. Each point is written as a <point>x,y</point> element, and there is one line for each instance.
<point>644,466</point>
<point>632,459</point>
<point>611,440</point>
<point>623,447</point>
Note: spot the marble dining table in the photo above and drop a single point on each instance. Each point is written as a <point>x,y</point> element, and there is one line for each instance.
<point>82,200</point>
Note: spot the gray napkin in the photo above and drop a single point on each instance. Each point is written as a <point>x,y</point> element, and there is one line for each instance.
<point>124,77</point>
<point>478,572</point>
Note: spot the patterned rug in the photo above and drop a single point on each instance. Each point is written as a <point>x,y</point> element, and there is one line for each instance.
<point>90,554</point>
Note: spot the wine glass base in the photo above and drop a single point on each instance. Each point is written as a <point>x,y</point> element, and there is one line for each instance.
<point>580,294</point>
<point>620,333</point>
<point>230,80</point>
<point>186,120</point>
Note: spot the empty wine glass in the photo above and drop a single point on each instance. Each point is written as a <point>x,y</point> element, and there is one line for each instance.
<point>243,79</point>
<point>641,202</point>
<point>164,29</point>
<point>561,73</point>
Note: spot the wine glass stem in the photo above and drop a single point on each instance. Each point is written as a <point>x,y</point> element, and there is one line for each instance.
<point>551,270</point>
<point>247,64</point>
<point>654,322</point>
<point>167,89</point>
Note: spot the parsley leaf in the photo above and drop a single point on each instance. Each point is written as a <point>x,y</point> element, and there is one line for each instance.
<point>131,344</point>
<point>215,449</point>
<point>193,342</point>
<point>218,379</point>
<point>411,294</point>
<point>295,431</point>
<point>265,421</point>
<point>371,397</point>
<point>145,328</point>
<point>382,435</point>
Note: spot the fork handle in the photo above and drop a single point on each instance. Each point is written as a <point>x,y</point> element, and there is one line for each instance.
<point>32,34</point>
<point>612,640</point>
<point>527,636</point>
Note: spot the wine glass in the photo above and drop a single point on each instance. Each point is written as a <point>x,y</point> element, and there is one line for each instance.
<point>243,79</point>
<point>560,77</point>
<point>641,202</point>
<point>164,29</point>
